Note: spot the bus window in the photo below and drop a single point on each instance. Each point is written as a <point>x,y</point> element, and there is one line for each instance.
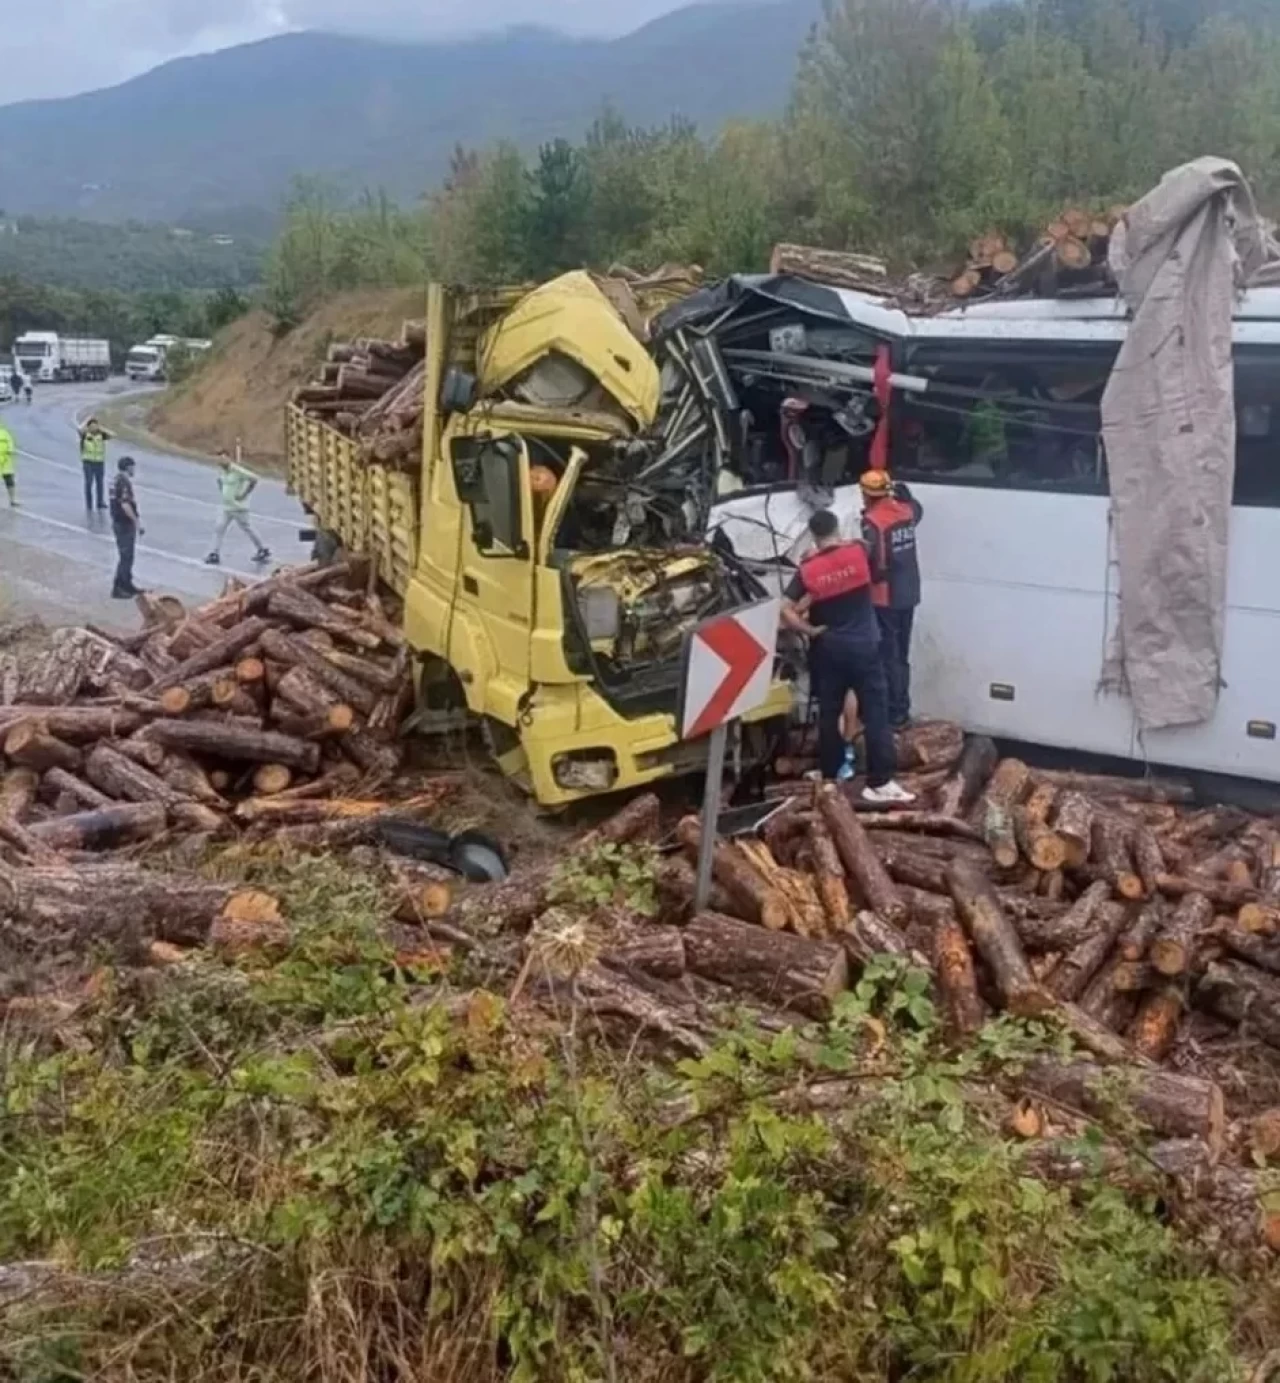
<point>1009,415</point>
<point>1257,382</point>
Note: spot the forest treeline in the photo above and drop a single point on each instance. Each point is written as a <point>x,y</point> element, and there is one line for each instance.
<point>913,125</point>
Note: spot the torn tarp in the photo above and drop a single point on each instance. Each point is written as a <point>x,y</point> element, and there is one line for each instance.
<point>1168,420</point>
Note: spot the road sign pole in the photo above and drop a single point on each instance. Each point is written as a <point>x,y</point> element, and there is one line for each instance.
<point>710,815</point>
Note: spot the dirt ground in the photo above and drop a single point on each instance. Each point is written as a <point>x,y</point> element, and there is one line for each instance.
<point>239,393</point>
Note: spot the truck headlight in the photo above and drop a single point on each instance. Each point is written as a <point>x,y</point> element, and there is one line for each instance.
<point>601,613</point>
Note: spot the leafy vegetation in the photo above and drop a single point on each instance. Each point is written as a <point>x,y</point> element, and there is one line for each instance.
<point>913,125</point>
<point>355,1165</point>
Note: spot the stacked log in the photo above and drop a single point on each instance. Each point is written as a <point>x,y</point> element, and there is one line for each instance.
<point>1070,258</point>
<point>372,390</point>
<point>288,690</point>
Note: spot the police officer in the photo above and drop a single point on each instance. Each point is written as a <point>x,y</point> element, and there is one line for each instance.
<point>125,524</point>
<point>93,461</point>
<point>889,517</point>
<point>829,601</point>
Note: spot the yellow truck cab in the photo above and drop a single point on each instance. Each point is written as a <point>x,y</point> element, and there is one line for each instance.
<point>526,596</point>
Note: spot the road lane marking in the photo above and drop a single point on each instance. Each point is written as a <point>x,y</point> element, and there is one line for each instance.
<point>254,515</point>
<point>194,563</point>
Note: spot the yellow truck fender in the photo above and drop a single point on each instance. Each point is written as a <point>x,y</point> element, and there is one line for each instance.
<point>456,637</point>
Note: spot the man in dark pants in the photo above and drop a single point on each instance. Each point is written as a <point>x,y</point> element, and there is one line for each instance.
<point>890,514</point>
<point>124,520</point>
<point>829,601</point>
<point>93,461</point>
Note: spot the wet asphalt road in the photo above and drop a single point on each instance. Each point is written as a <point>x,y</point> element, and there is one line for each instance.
<point>57,562</point>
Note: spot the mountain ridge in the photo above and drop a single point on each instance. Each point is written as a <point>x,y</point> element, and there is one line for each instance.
<point>214,140</point>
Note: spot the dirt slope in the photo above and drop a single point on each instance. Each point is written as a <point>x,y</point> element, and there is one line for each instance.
<point>240,391</point>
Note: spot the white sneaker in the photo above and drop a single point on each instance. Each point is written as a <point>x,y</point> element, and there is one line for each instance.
<point>891,795</point>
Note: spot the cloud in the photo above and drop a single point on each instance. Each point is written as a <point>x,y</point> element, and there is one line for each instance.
<point>64,46</point>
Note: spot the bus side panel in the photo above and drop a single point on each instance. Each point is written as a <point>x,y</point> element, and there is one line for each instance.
<point>1251,646</point>
<point>1012,630</point>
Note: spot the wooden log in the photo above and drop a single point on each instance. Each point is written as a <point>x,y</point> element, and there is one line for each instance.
<point>906,866</point>
<point>221,653</point>
<point>868,936</point>
<point>778,968</point>
<point>190,637</point>
<point>839,268</point>
<point>1067,929</point>
<point>922,823</point>
<point>652,950</point>
<point>327,725</point>
<point>383,676</point>
<point>58,780</point>
<point>1106,1002</point>
<point>1077,969</point>
<point>1040,847</point>
<point>103,828</point>
<point>1155,1029</point>
<point>270,779</point>
<point>1147,859</point>
<point>186,777</point>
<point>305,611</point>
<point>1109,787</point>
<point>675,880</point>
<point>117,775</point>
<point>251,672</point>
<point>996,940</point>
<point>75,724</point>
<point>1074,826</point>
<point>1144,929</point>
<point>957,980</point>
<point>141,751</point>
<point>962,789</point>
<point>308,696</point>
<point>31,745</point>
<point>1225,896</point>
<point>237,744</point>
<point>1175,1106</point>
<point>1262,951</point>
<point>1173,949</point>
<point>296,652</point>
<point>750,893</point>
<point>1112,859</point>
<point>829,875</point>
<point>18,788</point>
<point>1072,253</point>
<point>859,857</point>
<point>371,754</point>
<point>1245,996</point>
<point>934,744</point>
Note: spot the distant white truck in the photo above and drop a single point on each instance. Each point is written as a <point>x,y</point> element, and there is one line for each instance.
<point>45,357</point>
<point>147,363</point>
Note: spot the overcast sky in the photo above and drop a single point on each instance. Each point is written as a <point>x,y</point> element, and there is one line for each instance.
<point>55,47</point>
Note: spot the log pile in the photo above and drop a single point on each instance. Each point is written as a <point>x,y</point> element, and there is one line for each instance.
<point>1070,259</point>
<point>372,390</point>
<point>266,708</point>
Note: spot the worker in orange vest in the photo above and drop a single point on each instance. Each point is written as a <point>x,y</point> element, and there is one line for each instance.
<point>890,514</point>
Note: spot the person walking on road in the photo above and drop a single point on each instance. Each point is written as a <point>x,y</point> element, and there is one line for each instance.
<point>93,460</point>
<point>7,453</point>
<point>829,602</point>
<point>889,517</point>
<point>124,521</point>
<point>235,484</point>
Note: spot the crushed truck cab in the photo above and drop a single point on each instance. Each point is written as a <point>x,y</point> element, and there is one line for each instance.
<point>547,586</point>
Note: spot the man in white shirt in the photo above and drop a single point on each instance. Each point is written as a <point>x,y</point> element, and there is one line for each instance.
<point>235,484</point>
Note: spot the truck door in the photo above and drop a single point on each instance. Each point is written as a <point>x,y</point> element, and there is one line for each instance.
<point>495,564</point>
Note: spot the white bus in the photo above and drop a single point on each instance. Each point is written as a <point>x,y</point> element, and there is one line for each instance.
<point>1020,581</point>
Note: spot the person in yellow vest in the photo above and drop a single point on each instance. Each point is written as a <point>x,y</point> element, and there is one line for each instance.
<point>7,453</point>
<point>93,460</point>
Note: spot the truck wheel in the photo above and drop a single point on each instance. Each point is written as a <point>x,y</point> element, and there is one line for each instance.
<point>327,547</point>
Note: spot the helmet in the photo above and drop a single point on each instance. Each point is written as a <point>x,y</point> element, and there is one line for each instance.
<point>876,483</point>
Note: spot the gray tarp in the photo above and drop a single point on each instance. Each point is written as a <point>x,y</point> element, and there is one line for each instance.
<point>1168,419</point>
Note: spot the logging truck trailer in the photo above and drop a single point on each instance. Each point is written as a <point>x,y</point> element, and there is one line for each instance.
<point>543,597</point>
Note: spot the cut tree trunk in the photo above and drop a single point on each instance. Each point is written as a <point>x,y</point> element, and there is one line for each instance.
<point>1148,924</point>
<point>270,779</point>
<point>119,777</point>
<point>1244,995</point>
<point>1262,951</point>
<point>676,881</point>
<point>1040,847</point>
<point>1112,859</point>
<point>751,895</point>
<point>30,745</point>
<point>1147,859</point>
<point>76,724</point>
<point>1074,972</point>
<point>383,676</point>
<point>18,788</point>
<point>957,979</point>
<point>868,936</point>
<point>1106,786</point>
<point>1227,897</point>
<point>1074,826</point>
<point>1173,950</point>
<point>328,725</point>
<point>185,776</point>
<point>930,745</point>
<point>58,780</point>
<point>370,753</point>
<point>221,653</point>
<point>305,611</point>
<point>650,949</point>
<point>103,828</point>
<point>997,941</point>
<point>906,866</point>
<point>1175,1106</point>
<point>829,875</point>
<point>963,788</point>
<point>1155,1029</point>
<point>141,751</point>
<point>306,694</point>
<point>239,745</point>
<point>859,858</point>
<point>780,969</point>
<point>295,652</point>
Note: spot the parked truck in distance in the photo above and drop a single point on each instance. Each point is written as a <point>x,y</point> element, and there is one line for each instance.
<point>148,362</point>
<point>45,357</point>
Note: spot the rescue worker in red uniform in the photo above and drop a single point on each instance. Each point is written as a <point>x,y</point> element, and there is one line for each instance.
<point>889,517</point>
<point>829,602</point>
